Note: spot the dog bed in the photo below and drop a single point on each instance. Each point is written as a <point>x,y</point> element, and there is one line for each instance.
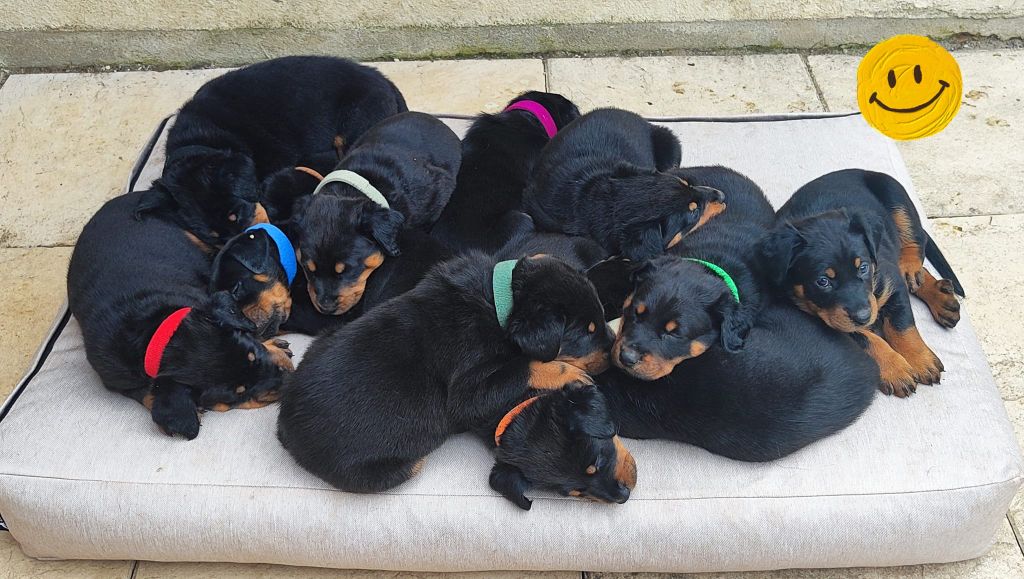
<point>84,473</point>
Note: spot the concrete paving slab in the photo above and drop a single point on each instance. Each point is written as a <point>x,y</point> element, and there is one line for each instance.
<point>687,85</point>
<point>463,86</point>
<point>15,565</point>
<point>36,289</point>
<point>68,143</point>
<point>148,570</point>
<point>974,166</point>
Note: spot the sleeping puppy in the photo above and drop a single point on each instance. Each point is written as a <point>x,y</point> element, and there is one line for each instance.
<point>498,154</point>
<point>395,276</point>
<point>607,176</point>
<point>254,122</point>
<point>795,382</point>
<point>715,267</point>
<point>579,252</point>
<point>849,249</point>
<point>153,333</point>
<point>373,398</point>
<point>256,268</point>
<point>398,175</point>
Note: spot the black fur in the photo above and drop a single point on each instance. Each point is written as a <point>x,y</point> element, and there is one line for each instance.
<point>237,141</point>
<point>373,398</point>
<point>498,155</point>
<point>126,276</point>
<point>412,159</point>
<point>607,176</point>
<point>248,268</point>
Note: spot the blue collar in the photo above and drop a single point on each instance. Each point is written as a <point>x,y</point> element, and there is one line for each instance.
<point>285,250</point>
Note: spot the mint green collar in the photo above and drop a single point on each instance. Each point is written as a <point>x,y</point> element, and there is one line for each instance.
<point>720,273</point>
<point>356,180</point>
<point>501,284</point>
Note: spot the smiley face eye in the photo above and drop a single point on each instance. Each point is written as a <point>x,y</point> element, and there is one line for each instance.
<point>892,78</point>
<point>823,282</point>
<point>917,73</point>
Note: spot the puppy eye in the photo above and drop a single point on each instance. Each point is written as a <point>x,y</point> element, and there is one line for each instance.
<point>592,469</point>
<point>823,282</point>
<point>863,269</point>
<point>641,309</point>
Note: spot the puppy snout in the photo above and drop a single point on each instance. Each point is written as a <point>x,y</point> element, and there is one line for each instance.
<point>629,357</point>
<point>622,495</point>
<point>712,193</point>
<point>861,316</point>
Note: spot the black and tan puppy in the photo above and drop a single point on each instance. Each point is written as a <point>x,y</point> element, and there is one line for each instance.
<point>524,240</point>
<point>794,382</point>
<point>608,176</point>
<point>130,284</point>
<point>398,175</point>
<point>498,155</point>
<point>713,291</point>
<point>849,249</point>
<point>256,124</point>
<point>472,340</point>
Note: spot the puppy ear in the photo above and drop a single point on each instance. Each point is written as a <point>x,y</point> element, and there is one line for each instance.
<point>256,260</point>
<point>779,250</point>
<point>173,409</point>
<point>642,241</point>
<point>155,199</point>
<point>384,226</point>
<point>870,227</point>
<point>510,482</point>
<point>587,416</point>
<point>736,322</point>
<point>226,313</point>
<point>537,331</point>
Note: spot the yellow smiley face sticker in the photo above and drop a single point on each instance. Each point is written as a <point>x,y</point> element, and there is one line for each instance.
<point>908,87</point>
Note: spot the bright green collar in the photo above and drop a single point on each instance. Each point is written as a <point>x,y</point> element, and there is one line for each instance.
<point>501,284</point>
<point>720,273</point>
<point>356,180</point>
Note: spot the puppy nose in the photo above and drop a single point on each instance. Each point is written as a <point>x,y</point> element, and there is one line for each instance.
<point>861,316</point>
<point>713,194</point>
<point>629,357</point>
<point>623,494</point>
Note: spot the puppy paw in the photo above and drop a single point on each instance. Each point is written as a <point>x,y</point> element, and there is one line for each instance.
<point>897,376</point>
<point>184,424</point>
<point>925,365</point>
<point>554,375</point>
<point>280,354</point>
<point>942,302</point>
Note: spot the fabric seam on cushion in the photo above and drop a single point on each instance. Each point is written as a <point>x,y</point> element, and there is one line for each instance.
<point>1016,480</point>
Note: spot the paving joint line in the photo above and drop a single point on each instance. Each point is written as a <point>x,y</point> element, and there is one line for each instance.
<point>1016,535</point>
<point>814,81</point>
<point>547,74</point>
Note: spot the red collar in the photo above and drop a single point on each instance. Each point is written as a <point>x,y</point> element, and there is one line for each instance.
<point>157,344</point>
<point>509,417</point>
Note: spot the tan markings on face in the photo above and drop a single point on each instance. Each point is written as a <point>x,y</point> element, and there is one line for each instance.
<point>697,348</point>
<point>625,465</point>
<point>272,300</point>
<point>592,327</point>
<point>262,278</point>
<point>925,365</point>
<point>592,469</point>
<point>641,308</point>
<point>830,273</point>
<point>671,326</point>
<point>712,209</point>
<point>311,266</point>
<point>628,302</point>
<point>894,371</point>
<point>556,374</point>
<point>692,206</point>
<point>593,363</point>
<point>350,295</point>
<point>259,215</point>
<point>650,366</point>
<point>675,240</point>
<point>857,261</point>
<point>199,243</point>
<point>339,267</point>
<point>835,317</point>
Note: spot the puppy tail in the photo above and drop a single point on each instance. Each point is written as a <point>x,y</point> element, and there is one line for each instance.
<point>931,251</point>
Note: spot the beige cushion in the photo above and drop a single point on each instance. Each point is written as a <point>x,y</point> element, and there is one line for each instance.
<point>84,473</point>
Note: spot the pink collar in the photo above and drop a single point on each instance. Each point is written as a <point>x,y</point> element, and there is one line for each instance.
<point>538,111</point>
<point>157,344</point>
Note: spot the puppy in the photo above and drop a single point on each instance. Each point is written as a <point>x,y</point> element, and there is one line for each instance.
<point>564,441</point>
<point>716,268</point>
<point>395,276</point>
<point>795,382</point>
<point>399,175</point>
<point>849,249</point>
<point>498,154</point>
<point>153,333</point>
<point>371,399</point>
<point>524,239</point>
<point>256,268</point>
<point>255,122</point>
<point>607,176</point>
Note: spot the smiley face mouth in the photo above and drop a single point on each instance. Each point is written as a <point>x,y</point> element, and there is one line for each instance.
<point>874,99</point>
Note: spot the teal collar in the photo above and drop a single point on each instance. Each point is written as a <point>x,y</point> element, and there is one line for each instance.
<point>720,273</point>
<point>356,180</point>
<point>501,284</point>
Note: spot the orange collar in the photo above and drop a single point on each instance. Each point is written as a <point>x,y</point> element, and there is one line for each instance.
<point>509,417</point>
